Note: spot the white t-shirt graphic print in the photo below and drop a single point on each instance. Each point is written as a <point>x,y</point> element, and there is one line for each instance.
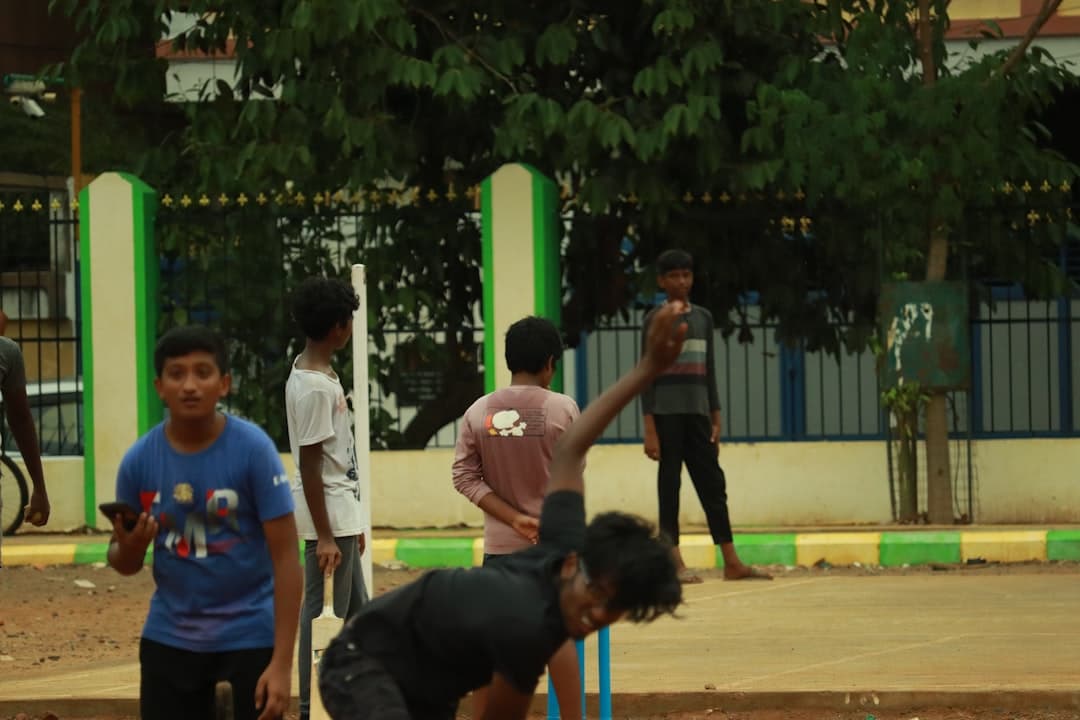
<point>317,412</point>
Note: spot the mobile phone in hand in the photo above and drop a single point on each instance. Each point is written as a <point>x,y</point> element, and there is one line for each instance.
<point>129,515</point>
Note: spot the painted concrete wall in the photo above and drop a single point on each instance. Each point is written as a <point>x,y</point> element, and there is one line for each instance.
<point>774,484</point>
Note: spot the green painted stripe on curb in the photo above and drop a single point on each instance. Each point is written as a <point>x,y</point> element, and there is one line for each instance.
<point>90,553</point>
<point>1063,545</point>
<point>435,552</point>
<point>919,548</point>
<point>763,549</point>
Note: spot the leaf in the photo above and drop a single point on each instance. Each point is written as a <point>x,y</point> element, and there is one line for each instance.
<point>613,129</point>
<point>702,59</point>
<point>301,17</point>
<point>995,30</point>
<point>673,20</point>
<point>583,114</point>
<point>450,56</point>
<point>675,119</point>
<point>401,32</point>
<point>551,116</point>
<point>555,45</point>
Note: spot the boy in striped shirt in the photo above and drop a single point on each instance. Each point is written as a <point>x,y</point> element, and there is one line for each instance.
<point>682,424</point>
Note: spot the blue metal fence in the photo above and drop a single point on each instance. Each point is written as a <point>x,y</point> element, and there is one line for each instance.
<point>1025,379</point>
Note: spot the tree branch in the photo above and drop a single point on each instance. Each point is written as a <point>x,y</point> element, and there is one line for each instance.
<point>926,44</point>
<point>1049,7</point>
<point>448,35</point>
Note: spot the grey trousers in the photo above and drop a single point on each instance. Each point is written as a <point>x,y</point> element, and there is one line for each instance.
<point>349,595</point>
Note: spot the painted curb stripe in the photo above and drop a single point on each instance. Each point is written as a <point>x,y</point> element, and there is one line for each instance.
<point>844,548</point>
<point>919,548</point>
<point>435,552</point>
<point>90,554</point>
<point>1004,546</point>
<point>52,554</point>
<point>698,551</point>
<point>763,549</point>
<point>1063,545</point>
<point>888,549</point>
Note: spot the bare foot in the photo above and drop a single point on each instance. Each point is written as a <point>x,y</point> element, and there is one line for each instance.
<point>689,577</point>
<point>744,572</point>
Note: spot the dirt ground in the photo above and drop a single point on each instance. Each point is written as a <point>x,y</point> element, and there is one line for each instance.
<point>68,617</point>
<point>800,714</point>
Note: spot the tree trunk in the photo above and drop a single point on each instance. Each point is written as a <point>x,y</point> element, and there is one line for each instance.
<point>436,414</point>
<point>938,484</point>
<point>939,500</point>
<point>908,465</point>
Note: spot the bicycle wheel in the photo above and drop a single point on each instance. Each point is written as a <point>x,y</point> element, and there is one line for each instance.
<point>13,495</point>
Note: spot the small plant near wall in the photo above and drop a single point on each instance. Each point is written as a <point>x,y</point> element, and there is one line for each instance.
<point>905,402</point>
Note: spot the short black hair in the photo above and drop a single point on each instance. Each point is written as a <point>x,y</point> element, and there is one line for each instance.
<point>626,551</point>
<point>530,342</point>
<point>320,304</point>
<point>674,259</point>
<point>186,339</point>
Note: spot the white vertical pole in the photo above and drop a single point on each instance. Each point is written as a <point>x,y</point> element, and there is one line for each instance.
<point>361,419</point>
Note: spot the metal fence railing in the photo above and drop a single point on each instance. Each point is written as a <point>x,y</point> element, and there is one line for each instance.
<point>1025,378</point>
<point>232,268</point>
<point>39,295</point>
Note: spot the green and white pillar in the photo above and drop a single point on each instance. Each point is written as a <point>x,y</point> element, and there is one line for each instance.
<point>119,277</point>
<point>521,238</point>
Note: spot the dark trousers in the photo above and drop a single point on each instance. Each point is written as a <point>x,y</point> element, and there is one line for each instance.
<point>356,686</point>
<point>686,439</point>
<point>179,684</point>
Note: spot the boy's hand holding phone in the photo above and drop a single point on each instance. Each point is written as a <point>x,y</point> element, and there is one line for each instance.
<point>134,531</point>
<point>140,536</point>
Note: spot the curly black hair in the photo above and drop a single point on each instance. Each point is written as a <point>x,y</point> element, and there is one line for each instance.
<point>321,304</point>
<point>627,552</point>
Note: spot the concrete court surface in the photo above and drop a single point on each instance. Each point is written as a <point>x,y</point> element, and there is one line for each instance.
<point>921,636</point>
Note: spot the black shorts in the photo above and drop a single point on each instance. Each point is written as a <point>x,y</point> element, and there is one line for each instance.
<point>179,684</point>
<point>356,686</point>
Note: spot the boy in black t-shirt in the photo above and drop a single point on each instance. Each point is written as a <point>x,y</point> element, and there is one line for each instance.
<point>414,652</point>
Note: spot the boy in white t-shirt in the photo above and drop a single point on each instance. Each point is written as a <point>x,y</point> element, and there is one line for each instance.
<point>326,488</point>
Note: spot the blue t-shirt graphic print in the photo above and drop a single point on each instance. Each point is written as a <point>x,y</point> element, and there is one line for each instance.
<point>212,568</point>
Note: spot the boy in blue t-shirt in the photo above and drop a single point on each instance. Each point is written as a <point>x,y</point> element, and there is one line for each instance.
<point>214,499</point>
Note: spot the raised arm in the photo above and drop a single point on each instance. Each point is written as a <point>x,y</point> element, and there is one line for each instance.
<point>662,346</point>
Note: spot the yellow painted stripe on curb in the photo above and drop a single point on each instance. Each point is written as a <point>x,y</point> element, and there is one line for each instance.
<point>698,551</point>
<point>1004,545</point>
<point>383,550</point>
<point>47,554</point>
<point>838,548</point>
<point>478,552</point>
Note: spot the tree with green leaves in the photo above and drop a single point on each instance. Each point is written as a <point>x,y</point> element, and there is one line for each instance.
<point>744,131</point>
<point>895,129</point>
<point>628,105</point>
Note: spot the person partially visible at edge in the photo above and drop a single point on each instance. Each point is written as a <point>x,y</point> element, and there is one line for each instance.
<point>326,486</point>
<point>21,423</point>
<point>214,500</point>
<point>501,464</point>
<point>682,421</point>
<point>416,651</point>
